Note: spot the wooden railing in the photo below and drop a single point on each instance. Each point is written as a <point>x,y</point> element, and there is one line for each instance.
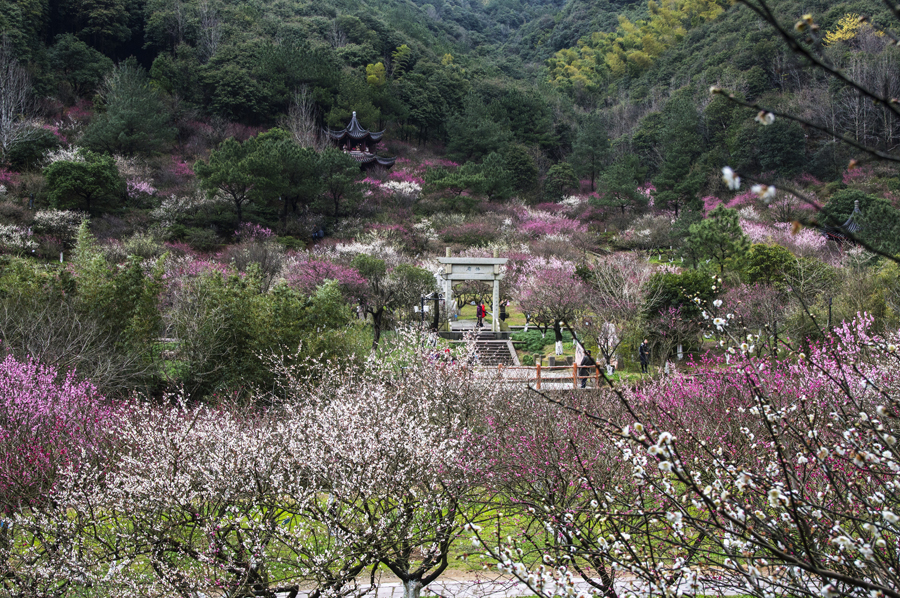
<point>540,371</point>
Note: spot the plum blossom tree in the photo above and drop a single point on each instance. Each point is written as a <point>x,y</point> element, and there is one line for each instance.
<point>389,454</point>
<point>619,290</point>
<point>346,474</point>
<point>51,427</point>
<point>553,297</point>
<point>46,426</point>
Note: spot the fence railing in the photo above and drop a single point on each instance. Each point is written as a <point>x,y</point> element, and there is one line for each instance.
<point>538,374</point>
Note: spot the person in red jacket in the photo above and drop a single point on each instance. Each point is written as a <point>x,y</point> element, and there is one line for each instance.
<point>481,312</point>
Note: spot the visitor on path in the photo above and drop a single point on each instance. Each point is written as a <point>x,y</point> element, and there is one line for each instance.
<point>481,312</point>
<point>644,354</point>
<point>587,365</point>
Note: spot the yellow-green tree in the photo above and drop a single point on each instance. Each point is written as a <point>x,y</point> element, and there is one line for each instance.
<point>632,48</point>
<point>847,28</point>
<point>376,75</point>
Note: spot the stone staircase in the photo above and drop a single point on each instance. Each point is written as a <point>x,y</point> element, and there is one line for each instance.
<point>493,351</point>
<point>494,348</point>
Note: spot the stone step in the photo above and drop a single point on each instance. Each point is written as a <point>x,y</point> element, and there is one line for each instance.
<point>494,352</point>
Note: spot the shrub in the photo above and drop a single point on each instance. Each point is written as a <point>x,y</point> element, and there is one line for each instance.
<point>142,245</point>
<point>201,239</point>
<point>471,233</point>
<point>535,340</point>
<point>14,213</point>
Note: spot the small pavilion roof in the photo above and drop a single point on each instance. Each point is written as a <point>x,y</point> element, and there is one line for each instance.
<point>354,131</point>
<point>367,158</point>
<point>851,225</point>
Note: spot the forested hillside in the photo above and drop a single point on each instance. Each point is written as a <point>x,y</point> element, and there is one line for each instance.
<point>187,135</point>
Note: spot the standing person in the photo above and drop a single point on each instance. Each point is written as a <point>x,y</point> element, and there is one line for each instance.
<point>584,372</point>
<point>644,354</point>
<point>481,313</point>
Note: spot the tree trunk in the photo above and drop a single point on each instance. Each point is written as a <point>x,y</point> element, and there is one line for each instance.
<point>376,326</point>
<point>240,213</point>
<point>412,588</point>
<point>557,331</point>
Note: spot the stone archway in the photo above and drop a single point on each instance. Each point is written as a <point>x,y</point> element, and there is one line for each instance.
<point>458,269</point>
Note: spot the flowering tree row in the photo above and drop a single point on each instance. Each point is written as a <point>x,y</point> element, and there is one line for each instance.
<point>760,478</point>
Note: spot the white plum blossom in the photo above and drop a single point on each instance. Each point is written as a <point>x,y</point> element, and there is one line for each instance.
<point>765,118</point>
<point>16,238</point>
<point>731,179</point>
<point>765,192</point>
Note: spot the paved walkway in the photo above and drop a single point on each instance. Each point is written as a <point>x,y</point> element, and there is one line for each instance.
<point>467,588</point>
<point>506,588</point>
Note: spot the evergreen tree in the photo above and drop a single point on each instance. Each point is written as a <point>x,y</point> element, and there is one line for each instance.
<point>680,179</point>
<point>497,179</point>
<point>560,180</point>
<point>339,180</point>
<point>284,171</point>
<point>620,182</point>
<point>522,170</point>
<point>135,120</point>
<point>229,172</point>
<point>591,148</point>
<point>718,239</point>
<point>85,184</point>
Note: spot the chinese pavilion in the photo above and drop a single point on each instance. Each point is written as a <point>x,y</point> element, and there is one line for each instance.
<point>852,226</point>
<point>360,144</point>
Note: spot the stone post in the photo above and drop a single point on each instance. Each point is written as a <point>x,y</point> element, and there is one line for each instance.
<point>448,294</point>
<point>495,308</point>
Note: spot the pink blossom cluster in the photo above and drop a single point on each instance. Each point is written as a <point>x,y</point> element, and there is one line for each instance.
<point>806,241</point>
<point>137,188</point>
<point>536,223</point>
<point>249,231</point>
<point>808,179</point>
<point>738,201</point>
<point>8,177</point>
<point>49,421</point>
<point>81,111</point>
<point>857,175</point>
<point>55,130</point>
<point>709,203</point>
<point>406,177</point>
<point>180,167</point>
<point>307,276</point>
